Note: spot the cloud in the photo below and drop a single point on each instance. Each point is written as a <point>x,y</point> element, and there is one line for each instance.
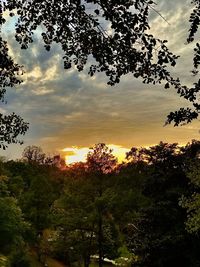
<point>68,108</point>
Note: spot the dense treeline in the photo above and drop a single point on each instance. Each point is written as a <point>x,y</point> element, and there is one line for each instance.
<point>145,212</point>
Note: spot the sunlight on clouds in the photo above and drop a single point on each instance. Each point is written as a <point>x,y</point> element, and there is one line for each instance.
<point>72,116</point>
<point>42,91</point>
<point>76,154</point>
<point>2,111</point>
<point>114,114</point>
<point>51,73</point>
<point>35,73</point>
<point>119,152</point>
<point>6,15</point>
<point>11,51</point>
<point>173,29</point>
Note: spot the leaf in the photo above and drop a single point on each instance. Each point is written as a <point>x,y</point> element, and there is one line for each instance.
<point>167,86</point>
<point>97,11</point>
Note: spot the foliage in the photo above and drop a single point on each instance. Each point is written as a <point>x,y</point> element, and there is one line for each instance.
<point>13,226</point>
<point>116,33</point>
<point>12,125</point>
<point>83,211</point>
<point>144,212</point>
<point>33,154</point>
<point>191,202</point>
<point>73,216</point>
<point>37,201</point>
<point>160,238</point>
<point>19,259</point>
<point>4,261</point>
<point>80,32</point>
<point>100,160</point>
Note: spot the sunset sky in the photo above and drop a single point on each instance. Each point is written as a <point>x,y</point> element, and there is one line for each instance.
<point>69,110</point>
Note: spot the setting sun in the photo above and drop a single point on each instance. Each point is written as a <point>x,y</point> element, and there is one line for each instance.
<point>79,154</point>
<point>75,154</point>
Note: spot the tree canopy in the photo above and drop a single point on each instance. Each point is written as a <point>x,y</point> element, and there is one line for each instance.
<point>144,212</point>
<point>11,125</point>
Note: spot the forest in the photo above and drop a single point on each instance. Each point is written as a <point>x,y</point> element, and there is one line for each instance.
<point>142,212</point>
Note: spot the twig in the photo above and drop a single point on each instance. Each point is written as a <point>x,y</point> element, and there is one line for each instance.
<point>159,14</point>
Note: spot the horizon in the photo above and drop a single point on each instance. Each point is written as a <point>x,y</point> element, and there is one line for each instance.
<point>76,154</point>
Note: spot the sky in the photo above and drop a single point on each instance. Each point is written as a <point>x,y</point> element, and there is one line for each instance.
<point>69,111</point>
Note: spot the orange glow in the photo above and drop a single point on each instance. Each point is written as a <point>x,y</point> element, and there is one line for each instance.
<point>76,154</point>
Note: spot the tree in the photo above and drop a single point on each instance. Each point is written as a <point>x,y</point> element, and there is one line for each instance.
<point>12,125</point>
<point>158,154</point>
<point>12,225</point>
<point>83,214</point>
<point>34,187</point>
<point>191,201</point>
<point>35,204</point>
<point>34,154</point>
<point>127,47</point>
<point>100,163</point>
<point>74,217</point>
<point>129,200</point>
<point>160,238</point>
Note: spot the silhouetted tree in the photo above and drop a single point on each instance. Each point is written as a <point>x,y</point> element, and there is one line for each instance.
<point>34,154</point>
<point>125,45</point>
<point>100,163</point>
<point>12,125</point>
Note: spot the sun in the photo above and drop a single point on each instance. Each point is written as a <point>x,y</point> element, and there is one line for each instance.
<point>75,154</point>
<point>79,154</point>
